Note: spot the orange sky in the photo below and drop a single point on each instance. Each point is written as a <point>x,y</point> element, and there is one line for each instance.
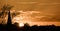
<point>41,9</point>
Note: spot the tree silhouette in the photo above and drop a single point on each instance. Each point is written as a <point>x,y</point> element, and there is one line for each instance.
<point>26,25</point>
<point>16,24</point>
<point>15,14</point>
<point>5,9</point>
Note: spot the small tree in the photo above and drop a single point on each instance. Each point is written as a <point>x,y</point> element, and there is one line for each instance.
<point>26,24</point>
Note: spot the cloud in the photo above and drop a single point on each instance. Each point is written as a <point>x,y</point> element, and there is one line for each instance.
<point>35,16</point>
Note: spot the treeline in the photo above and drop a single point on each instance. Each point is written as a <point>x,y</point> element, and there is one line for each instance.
<point>14,27</point>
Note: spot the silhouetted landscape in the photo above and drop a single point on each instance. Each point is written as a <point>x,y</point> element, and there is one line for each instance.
<point>14,27</point>
<point>6,10</point>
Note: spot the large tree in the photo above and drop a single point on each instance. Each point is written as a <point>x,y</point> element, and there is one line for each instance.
<point>5,9</point>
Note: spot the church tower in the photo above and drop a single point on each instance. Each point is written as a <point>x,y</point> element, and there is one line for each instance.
<point>9,21</point>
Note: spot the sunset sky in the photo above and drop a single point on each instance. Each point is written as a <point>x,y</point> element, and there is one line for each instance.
<point>40,12</point>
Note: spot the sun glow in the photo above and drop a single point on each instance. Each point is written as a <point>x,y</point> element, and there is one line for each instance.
<point>32,18</point>
<point>21,24</point>
<point>25,17</point>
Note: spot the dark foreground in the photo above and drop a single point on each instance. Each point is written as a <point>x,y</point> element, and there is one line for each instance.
<point>29,28</point>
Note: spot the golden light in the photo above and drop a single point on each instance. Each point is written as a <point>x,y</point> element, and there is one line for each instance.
<point>32,18</point>
<point>21,24</point>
